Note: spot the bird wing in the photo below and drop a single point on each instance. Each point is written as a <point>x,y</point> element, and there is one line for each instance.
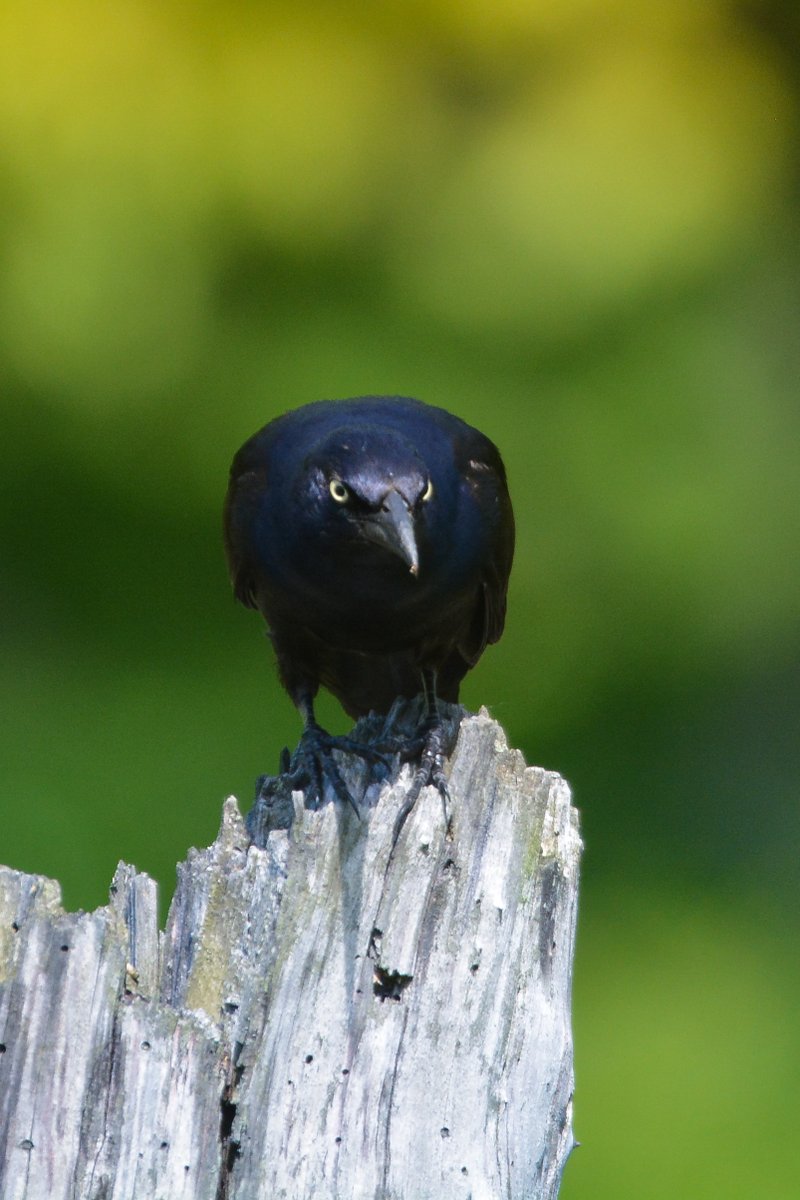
<point>240,503</point>
<point>485,478</point>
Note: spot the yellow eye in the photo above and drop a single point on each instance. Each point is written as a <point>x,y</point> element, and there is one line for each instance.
<point>338,491</point>
<point>426,495</point>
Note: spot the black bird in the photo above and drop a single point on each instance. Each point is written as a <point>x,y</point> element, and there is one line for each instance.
<point>375,535</point>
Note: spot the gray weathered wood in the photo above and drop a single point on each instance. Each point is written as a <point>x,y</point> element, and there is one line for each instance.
<point>321,1018</point>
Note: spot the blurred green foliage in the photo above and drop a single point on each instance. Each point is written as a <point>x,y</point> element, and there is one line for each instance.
<point>575,225</point>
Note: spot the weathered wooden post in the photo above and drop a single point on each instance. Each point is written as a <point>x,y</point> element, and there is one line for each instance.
<point>321,1018</point>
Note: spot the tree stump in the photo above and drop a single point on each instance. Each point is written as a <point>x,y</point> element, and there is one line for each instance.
<point>324,1017</point>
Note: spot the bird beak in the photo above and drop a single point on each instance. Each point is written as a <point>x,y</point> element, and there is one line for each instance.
<point>393,528</point>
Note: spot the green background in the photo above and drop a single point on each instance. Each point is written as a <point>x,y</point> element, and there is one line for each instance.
<point>575,225</point>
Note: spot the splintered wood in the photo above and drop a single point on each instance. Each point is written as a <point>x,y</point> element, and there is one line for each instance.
<point>326,1017</point>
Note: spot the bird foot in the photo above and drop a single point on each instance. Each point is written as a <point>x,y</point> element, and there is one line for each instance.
<point>309,769</point>
<point>312,765</point>
<point>430,746</point>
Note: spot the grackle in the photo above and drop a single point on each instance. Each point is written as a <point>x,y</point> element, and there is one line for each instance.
<point>375,536</point>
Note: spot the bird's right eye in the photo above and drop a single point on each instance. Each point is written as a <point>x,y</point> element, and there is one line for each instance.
<point>338,491</point>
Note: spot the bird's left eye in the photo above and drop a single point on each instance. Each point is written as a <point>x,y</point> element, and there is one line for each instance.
<point>338,491</point>
<point>426,495</point>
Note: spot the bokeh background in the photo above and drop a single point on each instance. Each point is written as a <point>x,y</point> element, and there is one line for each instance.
<point>576,225</point>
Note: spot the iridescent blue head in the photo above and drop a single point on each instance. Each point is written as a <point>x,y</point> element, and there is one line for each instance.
<point>367,486</point>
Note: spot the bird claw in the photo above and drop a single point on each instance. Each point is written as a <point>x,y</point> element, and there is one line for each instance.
<point>312,765</point>
<point>432,760</point>
<point>430,745</point>
<point>372,753</point>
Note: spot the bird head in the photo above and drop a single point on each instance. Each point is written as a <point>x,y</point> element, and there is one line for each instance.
<point>372,487</point>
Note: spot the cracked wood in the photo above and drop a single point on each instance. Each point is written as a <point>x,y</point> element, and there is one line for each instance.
<point>326,1017</point>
